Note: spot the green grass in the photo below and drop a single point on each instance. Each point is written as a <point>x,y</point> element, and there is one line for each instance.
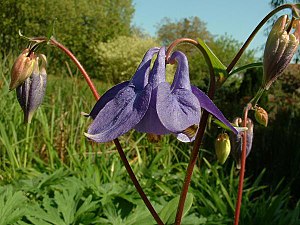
<point>51,174</point>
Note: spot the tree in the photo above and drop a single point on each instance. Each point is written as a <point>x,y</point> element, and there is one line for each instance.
<point>80,24</point>
<point>225,47</point>
<point>191,27</point>
<point>116,58</point>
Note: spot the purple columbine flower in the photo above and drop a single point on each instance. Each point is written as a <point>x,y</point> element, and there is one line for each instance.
<point>149,104</point>
<point>31,92</point>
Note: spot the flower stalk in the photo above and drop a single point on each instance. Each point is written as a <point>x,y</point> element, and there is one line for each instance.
<point>202,126</point>
<point>243,166</point>
<point>116,141</point>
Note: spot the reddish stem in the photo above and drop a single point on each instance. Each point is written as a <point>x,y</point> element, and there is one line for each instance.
<point>79,66</point>
<point>243,166</point>
<point>116,141</point>
<point>190,168</point>
<point>202,126</point>
<point>136,183</point>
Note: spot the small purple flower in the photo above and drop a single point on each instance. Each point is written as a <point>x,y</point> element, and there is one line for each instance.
<point>237,141</point>
<point>149,104</point>
<point>31,92</point>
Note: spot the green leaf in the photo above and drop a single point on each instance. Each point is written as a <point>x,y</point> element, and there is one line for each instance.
<point>218,67</point>
<point>11,205</point>
<point>168,212</point>
<point>248,66</point>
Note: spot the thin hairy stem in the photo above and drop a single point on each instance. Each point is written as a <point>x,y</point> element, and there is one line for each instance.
<point>202,126</point>
<point>79,66</point>
<point>136,183</point>
<point>243,166</point>
<point>116,141</point>
<point>254,32</point>
<point>26,145</point>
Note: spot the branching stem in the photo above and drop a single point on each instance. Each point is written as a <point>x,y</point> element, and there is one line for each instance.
<point>243,166</point>
<point>202,126</point>
<point>116,141</point>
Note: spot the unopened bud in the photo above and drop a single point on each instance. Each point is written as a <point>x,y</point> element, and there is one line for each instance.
<point>280,49</point>
<point>22,68</point>
<point>261,116</point>
<point>31,92</point>
<point>222,147</point>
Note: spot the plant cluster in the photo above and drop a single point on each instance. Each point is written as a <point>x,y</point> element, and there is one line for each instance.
<point>151,105</point>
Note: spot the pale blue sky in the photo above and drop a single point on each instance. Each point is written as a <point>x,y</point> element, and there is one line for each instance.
<point>237,18</point>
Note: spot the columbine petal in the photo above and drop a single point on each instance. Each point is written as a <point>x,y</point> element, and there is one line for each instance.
<point>150,122</point>
<point>107,97</point>
<point>207,104</point>
<point>121,110</point>
<point>120,115</point>
<point>140,80</point>
<point>177,107</point>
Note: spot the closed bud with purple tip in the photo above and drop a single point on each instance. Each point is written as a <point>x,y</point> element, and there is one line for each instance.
<point>280,48</point>
<point>22,68</point>
<point>31,93</point>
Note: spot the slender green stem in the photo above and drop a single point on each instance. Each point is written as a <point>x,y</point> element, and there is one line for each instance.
<point>26,144</point>
<point>116,141</point>
<point>243,166</point>
<point>252,35</point>
<point>258,95</point>
<point>202,126</point>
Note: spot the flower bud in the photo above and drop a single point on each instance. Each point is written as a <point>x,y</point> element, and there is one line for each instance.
<point>30,94</point>
<point>280,48</point>
<point>261,116</point>
<point>222,147</point>
<point>22,68</point>
<point>237,141</point>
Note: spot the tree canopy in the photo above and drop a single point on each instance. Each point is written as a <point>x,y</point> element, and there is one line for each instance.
<point>79,24</point>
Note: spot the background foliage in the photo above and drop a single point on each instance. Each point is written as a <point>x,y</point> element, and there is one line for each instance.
<point>79,24</point>
<point>119,58</point>
<point>52,163</point>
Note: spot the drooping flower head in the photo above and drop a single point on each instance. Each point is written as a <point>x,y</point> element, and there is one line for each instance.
<point>31,92</point>
<point>149,104</point>
<point>237,141</point>
<point>280,48</point>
